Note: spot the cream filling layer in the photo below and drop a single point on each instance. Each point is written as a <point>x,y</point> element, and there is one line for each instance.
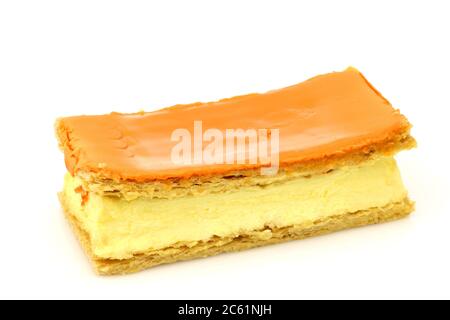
<point>118,228</point>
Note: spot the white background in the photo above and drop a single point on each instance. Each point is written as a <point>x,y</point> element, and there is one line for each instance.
<point>61,58</point>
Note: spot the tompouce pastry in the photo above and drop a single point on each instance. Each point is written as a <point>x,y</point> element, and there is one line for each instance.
<point>201,179</point>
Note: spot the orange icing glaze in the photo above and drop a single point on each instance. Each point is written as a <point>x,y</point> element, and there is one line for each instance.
<point>323,116</point>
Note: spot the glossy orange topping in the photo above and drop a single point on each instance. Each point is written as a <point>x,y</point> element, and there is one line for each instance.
<point>326,115</point>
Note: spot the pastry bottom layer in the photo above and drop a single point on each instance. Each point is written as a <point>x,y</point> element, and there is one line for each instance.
<point>216,245</point>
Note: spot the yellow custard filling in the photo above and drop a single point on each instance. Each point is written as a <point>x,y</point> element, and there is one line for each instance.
<point>119,228</point>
